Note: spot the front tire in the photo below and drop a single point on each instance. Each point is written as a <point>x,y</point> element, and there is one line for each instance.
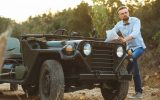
<point>115,89</point>
<point>51,81</point>
<point>118,90</point>
<point>30,90</point>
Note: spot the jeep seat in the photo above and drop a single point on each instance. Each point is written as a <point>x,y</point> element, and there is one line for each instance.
<point>12,49</point>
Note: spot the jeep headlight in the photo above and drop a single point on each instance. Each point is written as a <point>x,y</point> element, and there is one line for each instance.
<point>87,49</point>
<point>120,51</point>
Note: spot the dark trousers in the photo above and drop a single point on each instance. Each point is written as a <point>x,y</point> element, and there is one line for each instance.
<point>134,69</point>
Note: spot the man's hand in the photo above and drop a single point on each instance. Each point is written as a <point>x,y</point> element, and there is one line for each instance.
<point>126,39</point>
<point>121,39</point>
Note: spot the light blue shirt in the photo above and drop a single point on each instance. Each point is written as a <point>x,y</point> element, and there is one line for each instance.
<point>132,28</point>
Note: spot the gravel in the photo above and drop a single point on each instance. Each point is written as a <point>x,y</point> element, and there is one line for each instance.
<point>86,94</point>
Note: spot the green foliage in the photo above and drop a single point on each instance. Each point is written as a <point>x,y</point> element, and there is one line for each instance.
<point>104,15</point>
<point>80,20</point>
<point>156,38</point>
<point>99,19</point>
<point>76,19</point>
<point>40,24</point>
<point>4,23</point>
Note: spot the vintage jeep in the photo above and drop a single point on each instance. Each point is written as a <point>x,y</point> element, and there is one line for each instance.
<point>50,65</point>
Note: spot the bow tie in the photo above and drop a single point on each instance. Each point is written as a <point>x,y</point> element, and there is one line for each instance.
<point>126,24</point>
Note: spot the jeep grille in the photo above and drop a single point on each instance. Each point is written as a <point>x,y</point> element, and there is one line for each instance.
<point>103,57</point>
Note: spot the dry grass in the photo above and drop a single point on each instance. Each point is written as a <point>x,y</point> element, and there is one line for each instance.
<point>150,68</point>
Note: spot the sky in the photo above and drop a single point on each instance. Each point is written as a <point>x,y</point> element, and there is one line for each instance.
<point>20,10</point>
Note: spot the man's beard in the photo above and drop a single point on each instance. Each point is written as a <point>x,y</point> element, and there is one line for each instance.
<point>126,18</point>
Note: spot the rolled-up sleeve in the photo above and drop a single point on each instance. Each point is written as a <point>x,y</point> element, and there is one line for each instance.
<point>136,29</point>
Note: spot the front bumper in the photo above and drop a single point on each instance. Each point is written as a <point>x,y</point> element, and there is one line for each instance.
<point>104,77</point>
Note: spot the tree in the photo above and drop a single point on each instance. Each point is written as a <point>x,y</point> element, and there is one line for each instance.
<point>104,15</point>
<point>80,19</point>
<point>4,23</point>
<point>77,19</point>
<point>99,19</point>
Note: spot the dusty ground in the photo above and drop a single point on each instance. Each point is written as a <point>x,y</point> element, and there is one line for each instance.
<point>94,94</point>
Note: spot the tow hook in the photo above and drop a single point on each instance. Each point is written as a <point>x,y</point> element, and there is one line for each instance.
<point>97,74</point>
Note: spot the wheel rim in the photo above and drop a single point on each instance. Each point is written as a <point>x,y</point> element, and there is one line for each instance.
<point>46,84</point>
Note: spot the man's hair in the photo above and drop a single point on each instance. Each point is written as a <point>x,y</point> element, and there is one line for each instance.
<point>121,7</point>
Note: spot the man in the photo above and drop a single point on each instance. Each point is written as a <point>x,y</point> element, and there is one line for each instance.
<point>131,35</point>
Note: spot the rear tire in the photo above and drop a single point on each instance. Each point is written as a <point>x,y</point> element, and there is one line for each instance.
<point>51,81</point>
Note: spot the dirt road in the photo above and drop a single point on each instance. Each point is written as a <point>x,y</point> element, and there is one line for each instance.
<point>94,94</point>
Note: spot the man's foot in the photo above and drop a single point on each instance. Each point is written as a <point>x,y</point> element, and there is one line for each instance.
<point>138,95</point>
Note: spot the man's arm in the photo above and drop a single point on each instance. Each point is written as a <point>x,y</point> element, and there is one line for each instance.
<point>136,29</point>
<point>134,34</point>
<point>115,28</point>
<point>126,39</point>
